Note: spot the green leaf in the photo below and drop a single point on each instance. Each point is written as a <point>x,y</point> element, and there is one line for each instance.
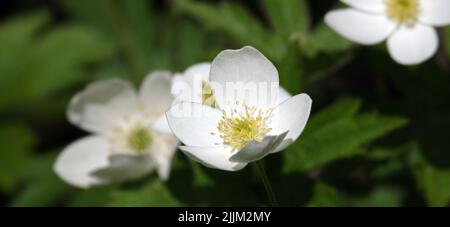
<point>434,182</point>
<point>15,41</point>
<point>54,69</point>
<point>322,40</point>
<point>325,195</point>
<point>16,142</point>
<point>237,23</point>
<point>92,197</point>
<point>384,196</point>
<point>42,187</point>
<point>331,138</point>
<point>381,153</point>
<point>17,32</point>
<point>153,193</point>
<point>288,16</point>
<point>37,65</point>
<point>345,108</point>
<point>200,178</point>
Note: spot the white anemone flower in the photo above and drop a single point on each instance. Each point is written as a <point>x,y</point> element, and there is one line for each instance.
<point>408,25</point>
<point>130,135</point>
<point>244,121</point>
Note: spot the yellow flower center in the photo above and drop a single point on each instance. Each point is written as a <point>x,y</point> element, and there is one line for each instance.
<point>139,139</point>
<point>240,128</point>
<point>403,11</point>
<point>207,95</point>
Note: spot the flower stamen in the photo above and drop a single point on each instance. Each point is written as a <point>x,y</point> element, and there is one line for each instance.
<point>241,127</point>
<point>139,139</point>
<point>207,95</point>
<point>403,11</point>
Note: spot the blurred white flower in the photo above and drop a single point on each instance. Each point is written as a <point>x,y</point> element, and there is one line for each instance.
<point>408,25</point>
<point>244,122</point>
<point>130,136</point>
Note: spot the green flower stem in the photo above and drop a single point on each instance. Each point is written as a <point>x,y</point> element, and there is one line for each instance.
<point>259,168</point>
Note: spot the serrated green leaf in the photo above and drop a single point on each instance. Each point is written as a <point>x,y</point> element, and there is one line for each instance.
<point>337,138</point>
<point>434,182</point>
<point>342,109</point>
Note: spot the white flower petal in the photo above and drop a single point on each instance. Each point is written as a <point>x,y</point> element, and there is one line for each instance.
<point>125,167</point>
<point>76,162</point>
<point>155,92</point>
<point>253,78</point>
<point>187,87</point>
<point>161,125</point>
<point>371,6</point>
<point>291,116</point>
<point>198,71</point>
<point>360,27</point>
<point>435,12</point>
<point>283,95</point>
<point>182,90</point>
<point>413,45</point>
<point>194,123</point>
<point>101,104</point>
<point>257,150</point>
<point>213,157</point>
<point>163,152</point>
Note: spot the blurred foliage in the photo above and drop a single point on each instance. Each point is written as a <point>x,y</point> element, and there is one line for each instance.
<point>15,153</point>
<point>36,62</point>
<point>336,132</point>
<point>377,135</point>
<point>42,186</point>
